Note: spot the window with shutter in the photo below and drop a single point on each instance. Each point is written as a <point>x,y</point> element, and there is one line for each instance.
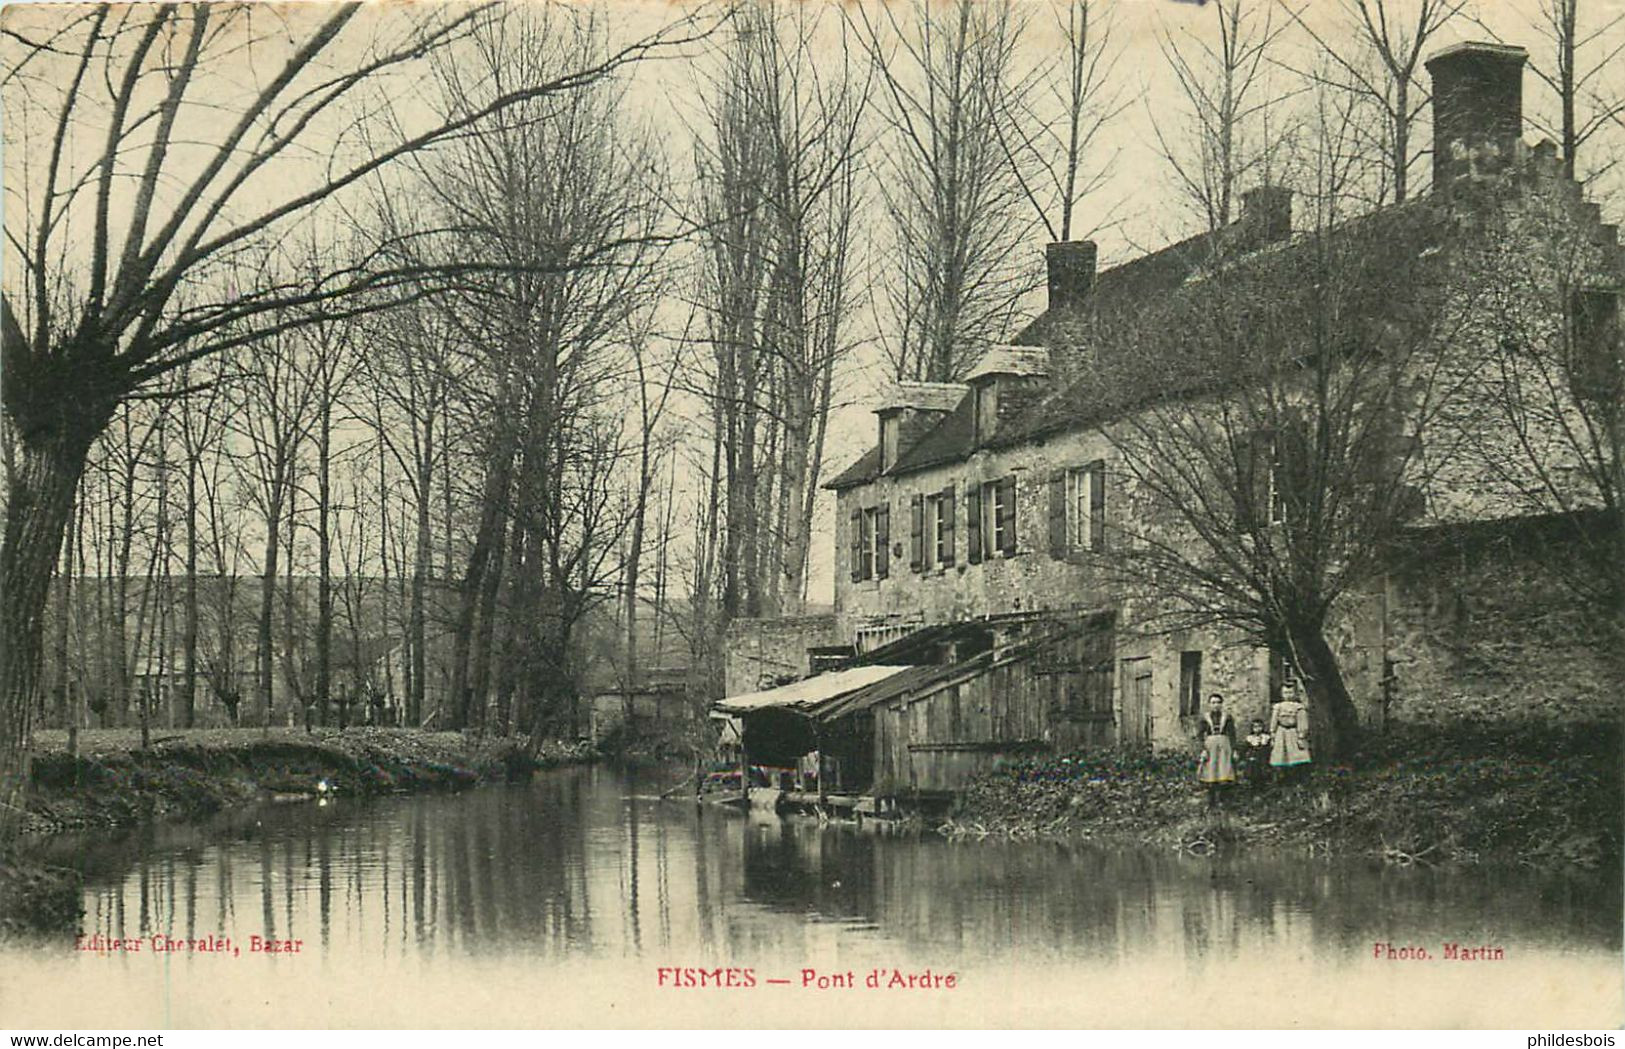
<point>855,544</point>
<point>1084,506</point>
<point>1007,515</point>
<point>992,520</point>
<point>973,523</point>
<point>1059,540</point>
<point>866,555</point>
<point>883,541</point>
<point>916,533</point>
<point>1097,505</point>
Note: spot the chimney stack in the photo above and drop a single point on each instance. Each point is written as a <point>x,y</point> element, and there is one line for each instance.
<point>1477,110</point>
<point>1266,212</point>
<point>1071,272</point>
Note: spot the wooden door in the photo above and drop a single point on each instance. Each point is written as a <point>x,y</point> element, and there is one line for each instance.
<point>1134,730</point>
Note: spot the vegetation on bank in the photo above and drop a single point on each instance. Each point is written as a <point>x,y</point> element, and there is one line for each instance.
<point>114,782</point>
<point>193,774</point>
<point>1549,798</point>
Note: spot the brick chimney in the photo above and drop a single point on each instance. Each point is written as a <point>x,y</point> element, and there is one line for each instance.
<point>1477,110</point>
<point>1266,215</point>
<point>1071,272</point>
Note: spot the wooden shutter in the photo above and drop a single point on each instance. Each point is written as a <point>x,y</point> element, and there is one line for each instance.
<point>1057,515</point>
<point>947,511</point>
<point>1253,457</point>
<point>883,541</point>
<point>1594,363</point>
<point>1297,455</point>
<point>973,522</point>
<point>916,533</point>
<point>856,545</point>
<point>1007,509</point>
<point>1097,504</point>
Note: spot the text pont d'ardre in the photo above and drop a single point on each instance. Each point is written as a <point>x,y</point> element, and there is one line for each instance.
<point>883,978</point>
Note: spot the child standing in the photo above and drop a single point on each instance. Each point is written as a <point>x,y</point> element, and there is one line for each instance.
<point>1255,754</point>
<point>1218,766</point>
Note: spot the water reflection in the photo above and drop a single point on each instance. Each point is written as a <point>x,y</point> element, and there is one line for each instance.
<point>587,865</point>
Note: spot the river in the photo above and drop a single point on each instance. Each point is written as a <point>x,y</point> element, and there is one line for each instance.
<point>582,900</point>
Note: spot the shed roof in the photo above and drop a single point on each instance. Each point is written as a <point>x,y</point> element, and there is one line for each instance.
<point>810,692</point>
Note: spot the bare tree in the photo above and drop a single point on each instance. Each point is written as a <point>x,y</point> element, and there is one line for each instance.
<point>108,237</point>
<point>276,412</point>
<point>1228,140</point>
<point>778,166</point>
<point>1583,42</point>
<point>1385,72</point>
<point>958,216</point>
<point>564,190</point>
<point>1057,114</point>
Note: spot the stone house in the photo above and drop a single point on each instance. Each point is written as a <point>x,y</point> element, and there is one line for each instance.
<point>994,504</point>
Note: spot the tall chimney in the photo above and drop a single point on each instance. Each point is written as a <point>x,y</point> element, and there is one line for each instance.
<point>1477,110</point>
<point>1071,272</point>
<point>1266,212</point>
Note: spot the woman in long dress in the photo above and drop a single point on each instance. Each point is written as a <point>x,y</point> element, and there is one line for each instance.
<point>1218,764</point>
<point>1289,738</point>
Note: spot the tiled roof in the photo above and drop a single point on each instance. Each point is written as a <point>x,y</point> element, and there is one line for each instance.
<point>1010,360</point>
<point>1142,299</point>
<point>1160,273</point>
<point>866,469</point>
<point>927,396</point>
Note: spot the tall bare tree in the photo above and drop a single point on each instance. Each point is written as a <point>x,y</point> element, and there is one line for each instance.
<point>779,168</point>
<point>565,190</point>
<point>1581,43</point>
<point>957,213</point>
<point>1385,71</point>
<point>1233,133</point>
<point>1056,116</point>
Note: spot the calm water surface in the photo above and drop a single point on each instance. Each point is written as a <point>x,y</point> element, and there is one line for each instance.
<point>559,902</point>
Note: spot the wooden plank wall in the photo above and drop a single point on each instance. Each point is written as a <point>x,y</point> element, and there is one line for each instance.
<point>940,740</point>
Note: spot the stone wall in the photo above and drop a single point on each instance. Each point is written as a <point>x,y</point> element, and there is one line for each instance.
<point>1482,625</point>
<point>762,653</point>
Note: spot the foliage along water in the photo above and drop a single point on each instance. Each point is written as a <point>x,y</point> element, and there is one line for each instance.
<point>583,900</point>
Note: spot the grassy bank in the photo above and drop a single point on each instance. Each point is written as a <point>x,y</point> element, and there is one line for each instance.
<point>196,773</point>
<point>193,774</point>
<point>1542,798</point>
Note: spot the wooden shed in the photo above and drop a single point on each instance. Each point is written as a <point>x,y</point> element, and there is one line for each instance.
<point>1053,692</point>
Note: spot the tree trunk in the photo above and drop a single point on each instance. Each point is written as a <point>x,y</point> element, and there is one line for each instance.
<point>64,711</point>
<point>39,501</point>
<point>481,563</point>
<point>1332,718</point>
<point>189,629</point>
<point>324,552</point>
<point>485,633</point>
<point>420,577</point>
<point>273,548</point>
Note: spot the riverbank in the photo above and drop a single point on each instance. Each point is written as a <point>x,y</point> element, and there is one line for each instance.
<point>190,774</point>
<point>1533,797</point>
<point>194,774</point>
